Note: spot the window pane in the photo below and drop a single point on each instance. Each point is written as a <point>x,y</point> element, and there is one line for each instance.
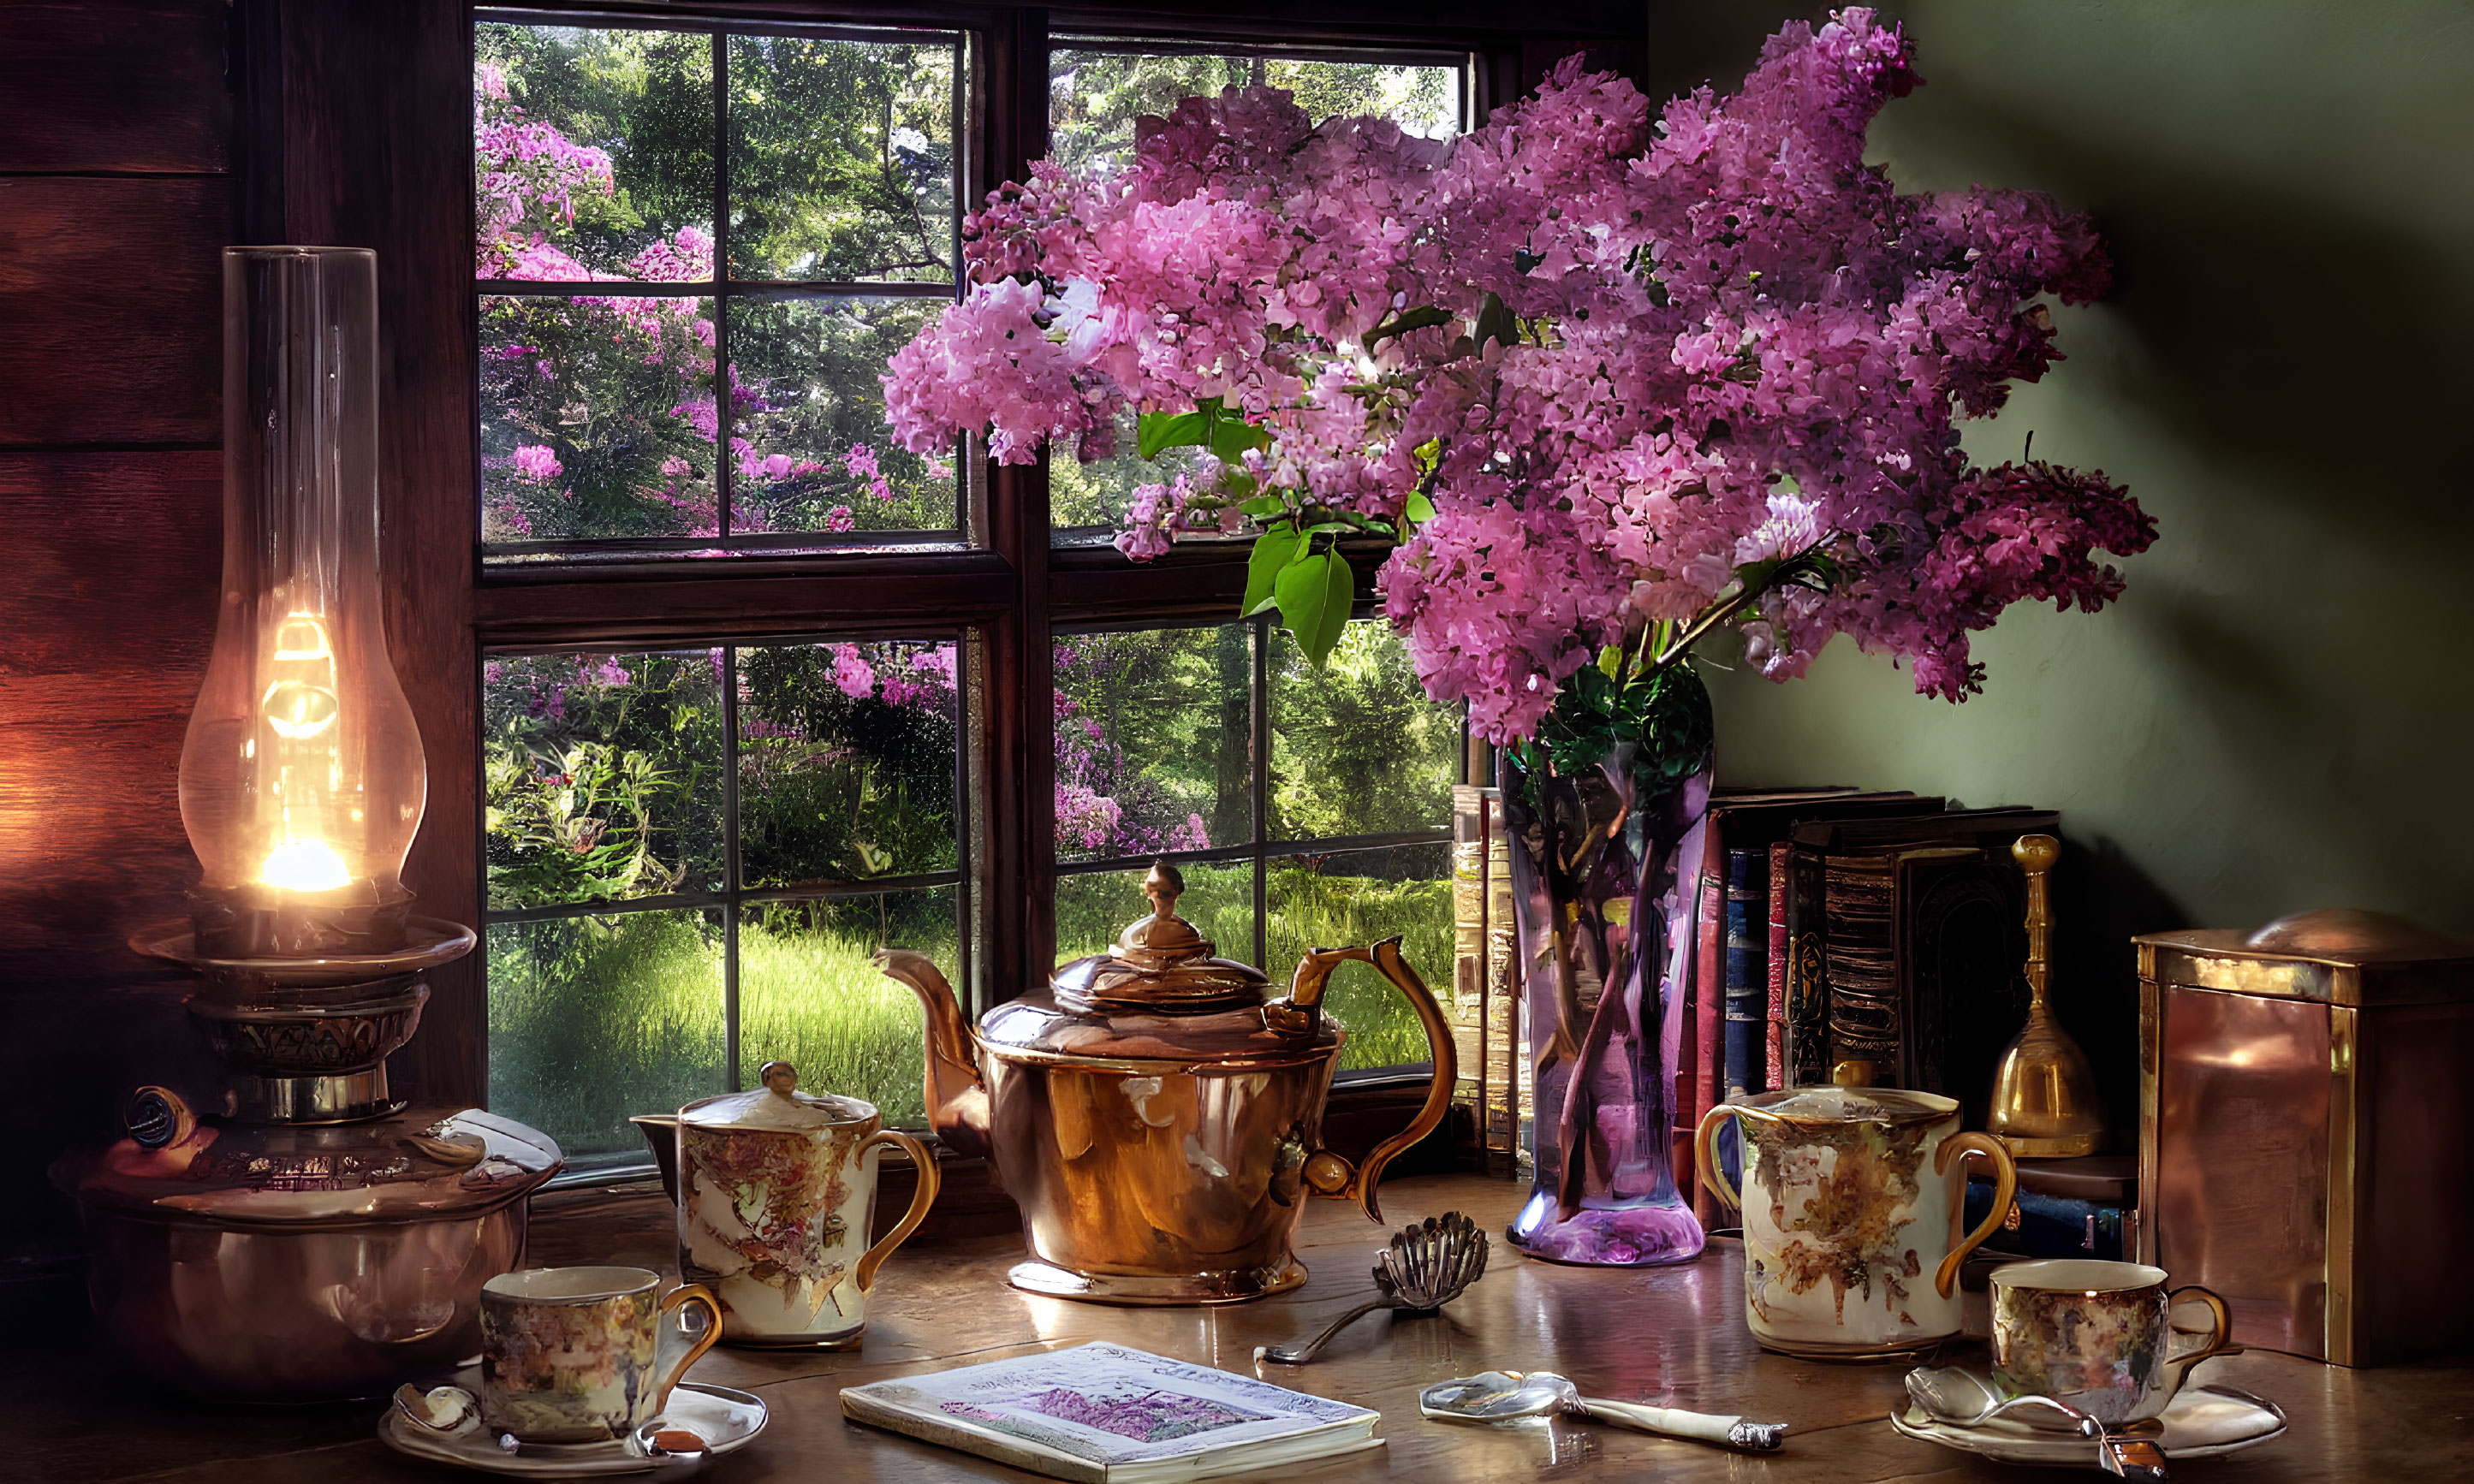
<point>808,419</point>
<point>847,762</point>
<point>811,994</point>
<point>1093,907</point>
<point>1355,900</point>
<point>592,153</point>
<point>602,776</point>
<point>593,1019</point>
<point>597,419</point>
<point>1356,746</point>
<point>1154,741</point>
<point>841,158</point>
<point>1097,494</point>
<point>1095,94</point>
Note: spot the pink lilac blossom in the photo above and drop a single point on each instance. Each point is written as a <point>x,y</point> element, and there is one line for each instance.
<point>1084,820</point>
<point>1724,340</point>
<point>527,175</point>
<point>854,677</point>
<point>536,462</point>
<point>531,178</point>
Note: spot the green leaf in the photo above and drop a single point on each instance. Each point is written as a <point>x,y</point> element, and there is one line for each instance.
<point>1315,593</point>
<point>1156,431</point>
<point>1335,613</point>
<point>1421,509</point>
<point>1273,550</point>
<point>1232,435</point>
<point>1264,506</point>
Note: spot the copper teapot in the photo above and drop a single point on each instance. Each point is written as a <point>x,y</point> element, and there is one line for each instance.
<point>1157,1115</point>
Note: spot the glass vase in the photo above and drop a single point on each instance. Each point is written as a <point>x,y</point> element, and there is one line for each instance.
<point>1603,861</point>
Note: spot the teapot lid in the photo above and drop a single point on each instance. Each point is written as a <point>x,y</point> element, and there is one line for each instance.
<point>1835,1104</point>
<point>1161,964</point>
<point>778,1106</point>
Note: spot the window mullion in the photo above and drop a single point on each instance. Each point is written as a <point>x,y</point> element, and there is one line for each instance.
<point>721,377</point>
<point>1260,717</point>
<point>732,882</point>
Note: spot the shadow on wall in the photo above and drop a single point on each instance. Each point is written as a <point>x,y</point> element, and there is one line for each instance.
<point>2272,718</point>
<point>2100,899</point>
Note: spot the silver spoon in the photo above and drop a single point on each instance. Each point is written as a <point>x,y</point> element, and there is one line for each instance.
<point>1426,1267</point>
<point>1962,1399</point>
<point>1499,1396</point>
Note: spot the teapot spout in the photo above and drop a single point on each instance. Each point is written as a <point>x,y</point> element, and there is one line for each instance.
<point>958,1099</point>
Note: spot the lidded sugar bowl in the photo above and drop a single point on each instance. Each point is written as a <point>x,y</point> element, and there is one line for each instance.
<point>1158,1113</point>
<point>1852,1199</point>
<point>776,1195</point>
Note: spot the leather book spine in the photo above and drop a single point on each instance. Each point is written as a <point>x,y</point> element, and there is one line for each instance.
<point>2048,1225</point>
<point>1774,975</point>
<point>1807,982</point>
<point>1860,902</point>
<point>1747,960</point>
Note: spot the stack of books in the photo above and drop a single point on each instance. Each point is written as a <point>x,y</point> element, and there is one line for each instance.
<point>2084,1207</point>
<point>1838,925</point>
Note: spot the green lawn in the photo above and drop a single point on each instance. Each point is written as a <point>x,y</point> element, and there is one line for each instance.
<point>593,1019</point>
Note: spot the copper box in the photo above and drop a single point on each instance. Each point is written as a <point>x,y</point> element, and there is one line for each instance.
<point>2306,1131</point>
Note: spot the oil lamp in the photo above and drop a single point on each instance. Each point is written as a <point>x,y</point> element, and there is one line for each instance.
<point>301,779</point>
<point>302,1234</point>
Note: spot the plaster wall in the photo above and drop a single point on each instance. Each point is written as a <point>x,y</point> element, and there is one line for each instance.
<point>2276,716</point>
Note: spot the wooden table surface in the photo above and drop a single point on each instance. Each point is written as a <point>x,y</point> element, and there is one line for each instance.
<point>1673,1336</point>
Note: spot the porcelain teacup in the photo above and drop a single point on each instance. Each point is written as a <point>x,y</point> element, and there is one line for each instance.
<point>2095,1334</point>
<point>587,1353</point>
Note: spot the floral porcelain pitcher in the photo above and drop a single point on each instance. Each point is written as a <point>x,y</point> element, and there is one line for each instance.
<point>1851,1203</point>
<point>776,1192</point>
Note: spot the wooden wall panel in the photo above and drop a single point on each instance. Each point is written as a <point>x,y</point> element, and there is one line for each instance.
<point>115,85</point>
<point>109,608</point>
<point>111,289</point>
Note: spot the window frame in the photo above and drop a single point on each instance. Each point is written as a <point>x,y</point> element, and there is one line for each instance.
<point>353,126</point>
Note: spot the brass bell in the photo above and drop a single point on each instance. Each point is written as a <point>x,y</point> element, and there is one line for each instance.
<point>2045,1103</point>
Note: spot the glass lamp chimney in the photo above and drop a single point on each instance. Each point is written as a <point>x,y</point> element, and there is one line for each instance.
<point>301,779</point>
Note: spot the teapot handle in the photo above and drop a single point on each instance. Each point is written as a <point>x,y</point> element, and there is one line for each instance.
<point>1328,1174</point>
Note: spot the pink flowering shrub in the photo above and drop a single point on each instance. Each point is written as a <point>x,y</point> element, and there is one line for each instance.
<point>1608,381</point>
<point>616,391</point>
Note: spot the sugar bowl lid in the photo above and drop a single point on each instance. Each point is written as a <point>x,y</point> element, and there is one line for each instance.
<point>1895,1107</point>
<point>778,1106</point>
<point>1161,964</point>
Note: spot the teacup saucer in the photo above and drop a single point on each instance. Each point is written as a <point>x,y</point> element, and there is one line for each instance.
<point>2200,1421</point>
<point>726,1420</point>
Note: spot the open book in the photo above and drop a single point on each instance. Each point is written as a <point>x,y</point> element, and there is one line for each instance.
<point>1103,1414</point>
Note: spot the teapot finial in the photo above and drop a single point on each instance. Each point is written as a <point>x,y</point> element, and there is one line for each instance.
<point>1164,886</point>
<point>780,1076</point>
